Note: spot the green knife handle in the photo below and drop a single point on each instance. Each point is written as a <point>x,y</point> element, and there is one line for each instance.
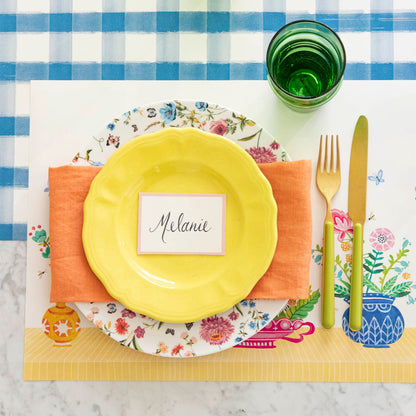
<point>328,301</point>
<point>356,296</point>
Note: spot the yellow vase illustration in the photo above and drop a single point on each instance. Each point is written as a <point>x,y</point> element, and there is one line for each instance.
<point>61,324</point>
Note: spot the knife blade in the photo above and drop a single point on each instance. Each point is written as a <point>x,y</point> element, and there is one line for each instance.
<point>357,198</point>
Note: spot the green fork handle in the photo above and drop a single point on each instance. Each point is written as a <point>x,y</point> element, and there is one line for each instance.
<point>328,301</point>
<point>356,295</point>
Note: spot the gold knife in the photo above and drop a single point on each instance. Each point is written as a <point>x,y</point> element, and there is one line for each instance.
<point>357,196</point>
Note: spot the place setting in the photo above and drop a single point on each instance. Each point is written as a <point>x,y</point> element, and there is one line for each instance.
<point>182,228</point>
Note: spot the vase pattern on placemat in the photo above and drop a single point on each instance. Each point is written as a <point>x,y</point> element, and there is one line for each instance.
<point>61,324</point>
<point>382,322</point>
<point>385,278</point>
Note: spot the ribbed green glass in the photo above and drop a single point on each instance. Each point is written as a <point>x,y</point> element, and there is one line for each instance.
<point>305,64</point>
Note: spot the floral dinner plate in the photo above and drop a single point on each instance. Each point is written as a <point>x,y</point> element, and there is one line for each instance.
<point>217,332</point>
<point>180,287</point>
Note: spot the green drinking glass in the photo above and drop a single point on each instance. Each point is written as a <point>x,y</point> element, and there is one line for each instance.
<point>305,64</point>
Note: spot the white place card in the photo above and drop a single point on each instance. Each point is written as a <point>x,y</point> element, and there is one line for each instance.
<point>181,223</point>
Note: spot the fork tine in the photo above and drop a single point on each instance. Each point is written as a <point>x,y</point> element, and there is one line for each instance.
<point>326,155</point>
<point>338,160</point>
<point>332,154</point>
<point>320,153</point>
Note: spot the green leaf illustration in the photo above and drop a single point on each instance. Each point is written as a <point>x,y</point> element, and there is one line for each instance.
<point>136,345</point>
<point>239,309</point>
<point>47,253</point>
<point>39,237</point>
<point>303,306</point>
<point>403,294</point>
<point>367,282</point>
<point>389,284</point>
<point>399,290</point>
<point>366,267</point>
<point>346,284</point>
<point>341,291</point>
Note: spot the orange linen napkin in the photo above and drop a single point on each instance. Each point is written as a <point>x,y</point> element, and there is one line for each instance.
<point>286,278</point>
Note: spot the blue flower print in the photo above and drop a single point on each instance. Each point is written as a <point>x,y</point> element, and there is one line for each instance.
<point>201,105</point>
<point>238,339</point>
<point>252,325</point>
<point>135,110</point>
<point>111,126</point>
<point>266,316</point>
<point>168,112</point>
<point>252,304</point>
<point>244,303</point>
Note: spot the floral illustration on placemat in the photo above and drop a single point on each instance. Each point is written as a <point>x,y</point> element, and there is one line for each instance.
<point>385,278</point>
<point>284,325</point>
<point>87,158</point>
<point>41,238</point>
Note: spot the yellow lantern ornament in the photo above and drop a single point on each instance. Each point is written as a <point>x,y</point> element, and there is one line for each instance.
<point>61,324</point>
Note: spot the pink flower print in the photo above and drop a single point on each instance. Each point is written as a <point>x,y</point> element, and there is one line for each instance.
<point>139,332</point>
<point>187,353</point>
<point>342,223</point>
<point>262,154</point>
<point>216,330</point>
<point>163,348</point>
<point>193,340</point>
<point>382,239</point>
<point>184,335</point>
<point>233,315</point>
<point>127,313</point>
<point>275,145</point>
<point>218,127</point>
<point>95,309</point>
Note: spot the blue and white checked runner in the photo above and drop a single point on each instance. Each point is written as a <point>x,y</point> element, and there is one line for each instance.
<point>168,39</point>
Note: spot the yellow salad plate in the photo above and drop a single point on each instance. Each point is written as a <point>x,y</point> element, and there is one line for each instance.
<point>179,288</point>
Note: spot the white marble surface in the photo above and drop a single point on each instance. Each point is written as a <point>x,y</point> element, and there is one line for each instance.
<point>166,398</point>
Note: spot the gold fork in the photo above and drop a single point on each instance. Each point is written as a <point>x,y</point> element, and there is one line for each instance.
<point>328,180</point>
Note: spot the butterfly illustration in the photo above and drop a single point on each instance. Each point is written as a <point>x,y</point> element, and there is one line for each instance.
<point>135,128</point>
<point>170,331</point>
<point>378,178</point>
<point>189,325</point>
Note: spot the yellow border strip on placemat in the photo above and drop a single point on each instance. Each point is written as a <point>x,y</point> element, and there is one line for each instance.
<point>328,355</point>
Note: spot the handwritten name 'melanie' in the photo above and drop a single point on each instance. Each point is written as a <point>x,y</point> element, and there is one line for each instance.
<point>181,225</point>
